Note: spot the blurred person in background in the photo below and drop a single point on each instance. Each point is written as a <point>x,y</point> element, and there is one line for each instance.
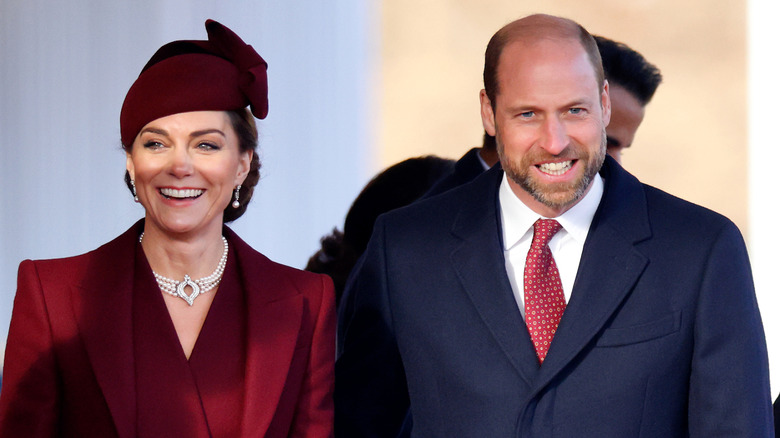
<point>397,186</point>
<point>632,83</point>
<point>469,166</point>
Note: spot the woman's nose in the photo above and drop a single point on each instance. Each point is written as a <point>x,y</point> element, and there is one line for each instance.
<point>181,162</point>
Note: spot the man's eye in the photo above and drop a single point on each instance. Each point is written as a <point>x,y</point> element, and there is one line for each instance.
<point>575,110</point>
<point>527,114</point>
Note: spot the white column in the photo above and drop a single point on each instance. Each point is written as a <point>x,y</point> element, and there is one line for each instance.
<point>764,145</point>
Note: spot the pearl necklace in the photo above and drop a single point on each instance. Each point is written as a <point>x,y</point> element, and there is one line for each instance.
<point>199,286</point>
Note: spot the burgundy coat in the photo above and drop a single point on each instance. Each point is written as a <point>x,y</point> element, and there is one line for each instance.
<point>69,368</point>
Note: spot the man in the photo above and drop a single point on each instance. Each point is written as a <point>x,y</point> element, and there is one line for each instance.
<point>632,83</point>
<point>643,317</point>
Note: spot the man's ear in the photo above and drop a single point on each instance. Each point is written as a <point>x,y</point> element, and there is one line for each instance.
<point>606,104</point>
<point>486,110</point>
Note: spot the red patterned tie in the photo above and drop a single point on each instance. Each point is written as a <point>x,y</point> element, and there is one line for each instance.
<point>544,300</point>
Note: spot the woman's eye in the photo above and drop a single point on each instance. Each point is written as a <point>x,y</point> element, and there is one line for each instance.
<point>208,146</point>
<point>153,144</point>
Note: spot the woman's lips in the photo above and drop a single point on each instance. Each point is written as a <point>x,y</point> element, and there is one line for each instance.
<point>181,193</point>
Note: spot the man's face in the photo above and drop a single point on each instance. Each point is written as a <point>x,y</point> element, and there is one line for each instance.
<point>627,114</point>
<point>549,121</point>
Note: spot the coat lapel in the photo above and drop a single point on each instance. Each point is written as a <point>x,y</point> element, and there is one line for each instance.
<point>102,306</point>
<point>479,261</point>
<point>274,319</point>
<point>609,268</point>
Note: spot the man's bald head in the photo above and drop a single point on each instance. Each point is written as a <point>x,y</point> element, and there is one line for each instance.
<point>529,30</point>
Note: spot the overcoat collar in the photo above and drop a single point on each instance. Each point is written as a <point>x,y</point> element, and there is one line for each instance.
<point>479,261</point>
<point>610,266</point>
<point>102,305</point>
<point>274,319</point>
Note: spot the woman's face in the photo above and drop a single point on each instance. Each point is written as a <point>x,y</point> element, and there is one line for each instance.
<point>185,168</point>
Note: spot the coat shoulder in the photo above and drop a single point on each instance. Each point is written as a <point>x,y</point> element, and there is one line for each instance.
<point>668,212</point>
<point>66,269</point>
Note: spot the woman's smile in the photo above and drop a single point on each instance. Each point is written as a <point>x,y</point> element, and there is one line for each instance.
<point>173,193</point>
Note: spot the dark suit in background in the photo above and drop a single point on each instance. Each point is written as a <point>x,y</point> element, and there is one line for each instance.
<point>468,167</point>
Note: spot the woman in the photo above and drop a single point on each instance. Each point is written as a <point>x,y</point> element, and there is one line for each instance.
<point>177,327</point>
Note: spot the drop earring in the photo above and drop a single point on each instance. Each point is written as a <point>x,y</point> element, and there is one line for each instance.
<point>135,195</point>
<point>237,204</point>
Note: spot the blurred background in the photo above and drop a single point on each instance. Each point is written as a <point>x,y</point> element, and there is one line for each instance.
<point>358,85</point>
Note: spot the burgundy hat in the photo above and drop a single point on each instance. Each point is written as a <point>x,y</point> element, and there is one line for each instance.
<point>221,74</point>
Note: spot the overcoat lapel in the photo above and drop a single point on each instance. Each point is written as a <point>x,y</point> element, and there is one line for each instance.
<point>479,262</point>
<point>102,306</point>
<point>274,319</point>
<point>609,268</point>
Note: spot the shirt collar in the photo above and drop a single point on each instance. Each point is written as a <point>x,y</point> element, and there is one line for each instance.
<point>517,219</point>
<point>484,164</point>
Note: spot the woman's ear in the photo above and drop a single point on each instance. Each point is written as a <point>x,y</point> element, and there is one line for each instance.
<point>244,165</point>
<point>130,167</point>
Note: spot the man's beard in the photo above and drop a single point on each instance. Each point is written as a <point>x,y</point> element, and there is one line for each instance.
<point>554,195</point>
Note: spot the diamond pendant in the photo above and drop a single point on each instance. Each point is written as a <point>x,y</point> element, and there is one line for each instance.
<point>183,295</point>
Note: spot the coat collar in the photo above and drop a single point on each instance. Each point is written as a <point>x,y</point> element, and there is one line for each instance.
<point>102,305</point>
<point>479,261</point>
<point>609,267</point>
<point>469,165</point>
<point>274,319</point>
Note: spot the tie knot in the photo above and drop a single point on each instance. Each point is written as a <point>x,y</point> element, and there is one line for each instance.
<point>544,230</point>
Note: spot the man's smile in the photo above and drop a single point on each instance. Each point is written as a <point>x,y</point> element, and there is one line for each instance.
<point>555,169</point>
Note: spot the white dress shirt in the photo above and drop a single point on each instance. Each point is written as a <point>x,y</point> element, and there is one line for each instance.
<point>484,163</point>
<point>517,226</point>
